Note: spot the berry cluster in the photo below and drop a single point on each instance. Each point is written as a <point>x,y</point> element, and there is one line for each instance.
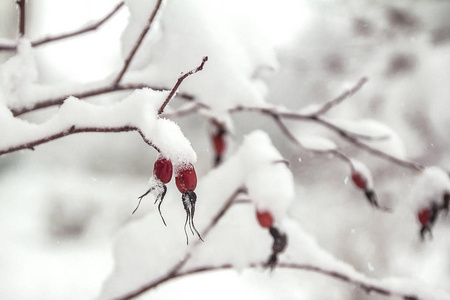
<point>427,216</point>
<point>265,219</point>
<point>186,182</point>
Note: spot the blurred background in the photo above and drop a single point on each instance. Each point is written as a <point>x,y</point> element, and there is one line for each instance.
<point>62,204</point>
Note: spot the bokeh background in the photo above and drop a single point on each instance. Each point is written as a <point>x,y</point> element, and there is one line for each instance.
<point>62,204</point>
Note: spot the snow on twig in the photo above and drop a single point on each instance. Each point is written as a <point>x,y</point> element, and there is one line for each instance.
<point>134,113</point>
<point>96,91</point>
<point>349,136</point>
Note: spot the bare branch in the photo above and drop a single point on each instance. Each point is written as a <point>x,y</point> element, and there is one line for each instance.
<point>22,16</point>
<point>49,39</point>
<point>367,287</point>
<point>291,137</point>
<point>362,284</point>
<point>133,51</point>
<point>180,80</point>
<point>86,29</point>
<point>72,130</point>
<point>336,101</point>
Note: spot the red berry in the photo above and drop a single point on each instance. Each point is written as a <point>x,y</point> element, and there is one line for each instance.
<point>424,216</point>
<point>163,169</point>
<point>265,219</point>
<point>186,179</point>
<point>359,180</point>
<point>219,144</point>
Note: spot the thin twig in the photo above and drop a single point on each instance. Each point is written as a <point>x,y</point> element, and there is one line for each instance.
<point>62,36</point>
<point>138,43</point>
<point>364,285</point>
<point>336,101</point>
<point>179,81</point>
<point>367,287</point>
<point>401,162</point>
<point>291,137</point>
<point>86,29</point>
<point>22,16</point>
<point>73,130</point>
<point>174,271</point>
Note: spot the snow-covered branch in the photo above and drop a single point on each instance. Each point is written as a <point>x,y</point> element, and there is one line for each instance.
<point>356,138</point>
<point>90,92</point>
<point>137,112</point>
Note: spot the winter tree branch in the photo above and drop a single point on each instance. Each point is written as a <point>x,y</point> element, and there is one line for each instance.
<point>62,36</point>
<point>352,137</point>
<point>22,16</point>
<point>115,84</point>
<point>362,284</point>
<point>138,43</point>
<point>336,101</point>
<point>90,93</point>
<point>80,31</point>
<point>72,130</point>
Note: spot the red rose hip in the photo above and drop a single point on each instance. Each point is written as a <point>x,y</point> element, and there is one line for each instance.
<point>265,219</point>
<point>219,144</point>
<point>186,179</point>
<point>424,216</point>
<point>163,169</point>
<point>359,180</point>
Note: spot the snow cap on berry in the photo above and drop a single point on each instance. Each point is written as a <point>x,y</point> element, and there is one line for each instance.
<point>264,218</point>
<point>269,182</point>
<point>361,175</point>
<point>430,187</point>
